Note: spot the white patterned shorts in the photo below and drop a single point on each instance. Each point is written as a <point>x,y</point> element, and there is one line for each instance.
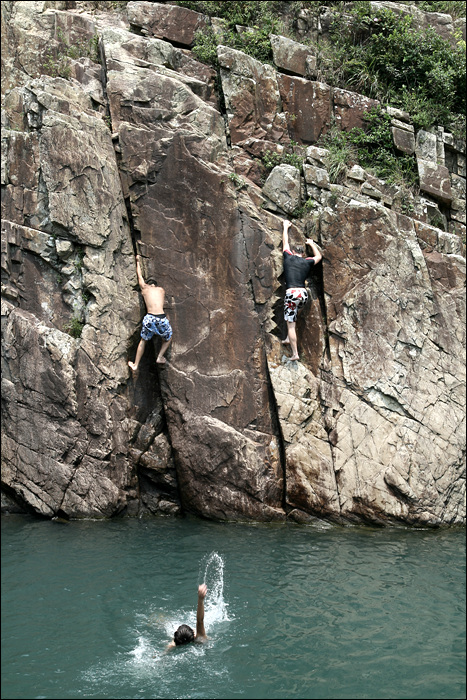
<point>294,300</point>
<point>156,325</point>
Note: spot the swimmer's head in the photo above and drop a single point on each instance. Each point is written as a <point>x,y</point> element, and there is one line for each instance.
<point>184,635</point>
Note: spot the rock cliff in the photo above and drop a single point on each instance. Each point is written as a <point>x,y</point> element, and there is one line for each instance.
<point>140,147</point>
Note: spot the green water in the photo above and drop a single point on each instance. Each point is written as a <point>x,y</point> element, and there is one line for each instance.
<point>297,611</point>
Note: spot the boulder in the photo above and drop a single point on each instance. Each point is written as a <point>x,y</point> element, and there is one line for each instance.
<point>404,140</point>
<point>307,106</point>
<point>283,187</point>
<point>435,180</point>
<point>426,146</point>
<point>165,21</point>
<point>293,57</point>
<point>317,156</point>
<point>318,177</point>
<point>349,108</point>
<point>252,97</point>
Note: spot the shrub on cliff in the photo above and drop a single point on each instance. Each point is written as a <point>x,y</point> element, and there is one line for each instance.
<point>453,8</point>
<point>382,54</point>
<point>295,155</point>
<point>56,61</point>
<point>372,147</point>
<point>256,20</point>
<point>74,327</point>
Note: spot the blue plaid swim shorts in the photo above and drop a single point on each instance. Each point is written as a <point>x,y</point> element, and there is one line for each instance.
<point>156,325</point>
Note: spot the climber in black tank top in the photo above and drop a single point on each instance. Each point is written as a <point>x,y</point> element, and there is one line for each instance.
<point>296,270</point>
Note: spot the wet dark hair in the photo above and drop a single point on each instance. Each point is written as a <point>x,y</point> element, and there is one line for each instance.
<point>184,635</point>
<point>151,280</point>
<point>298,249</point>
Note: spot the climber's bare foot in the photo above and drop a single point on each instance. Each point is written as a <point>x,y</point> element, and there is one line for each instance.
<point>133,367</point>
<point>286,342</point>
<point>294,357</point>
<point>161,360</point>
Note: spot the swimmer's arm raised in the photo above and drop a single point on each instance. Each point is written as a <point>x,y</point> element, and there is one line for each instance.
<point>200,631</point>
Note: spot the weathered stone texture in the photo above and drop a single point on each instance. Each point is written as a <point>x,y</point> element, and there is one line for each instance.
<point>403,140</point>
<point>293,57</point>
<point>426,146</point>
<point>283,188</point>
<point>63,443</point>
<point>349,108</point>
<point>317,177</point>
<point>307,105</point>
<point>252,97</point>
<point>177,24</point>
<point>435,180</point>
<point>399,404</point>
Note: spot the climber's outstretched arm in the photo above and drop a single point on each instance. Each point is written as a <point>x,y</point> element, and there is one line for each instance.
<point>317,257</point>
<point>285,235</point>
<point>139,273</point>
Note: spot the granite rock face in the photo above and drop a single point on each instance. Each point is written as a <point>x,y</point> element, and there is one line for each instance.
<point>136,154</point>
<point>394,429</point>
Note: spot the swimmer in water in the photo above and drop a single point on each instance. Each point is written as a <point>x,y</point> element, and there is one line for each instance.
<point>184,634</point>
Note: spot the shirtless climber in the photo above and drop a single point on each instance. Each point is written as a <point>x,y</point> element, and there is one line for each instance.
<point>155,321</point>
<point>296,269</point>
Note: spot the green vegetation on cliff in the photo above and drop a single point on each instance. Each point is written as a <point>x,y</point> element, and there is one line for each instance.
<point>377,53</point>
<point>455,9</point>
<point>371,147</point>
<point>257,21</point>
<point>383,55</point>
<point>57,58</point>
<point>74,327</point>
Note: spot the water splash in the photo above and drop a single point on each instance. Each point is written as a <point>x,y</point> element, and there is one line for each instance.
<point>141,652</point>
<point>212,574</point>
<point>149,650</point>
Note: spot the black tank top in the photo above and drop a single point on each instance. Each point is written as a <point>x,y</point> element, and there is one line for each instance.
<point>296,269</point>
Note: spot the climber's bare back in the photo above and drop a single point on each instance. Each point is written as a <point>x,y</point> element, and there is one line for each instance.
<point>154,299</point>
